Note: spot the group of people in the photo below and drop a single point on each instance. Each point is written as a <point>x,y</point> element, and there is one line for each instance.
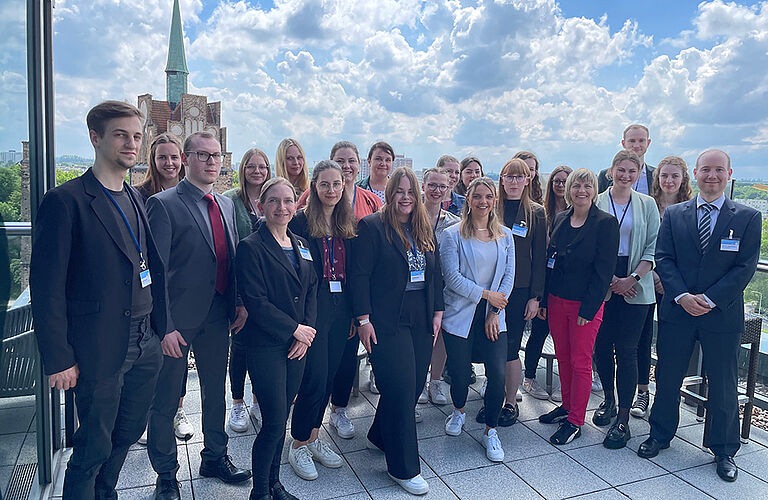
<point>282,277</point>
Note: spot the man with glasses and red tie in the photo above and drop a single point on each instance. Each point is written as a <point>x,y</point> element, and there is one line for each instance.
<point>196,239</point>
<point>706,254</point>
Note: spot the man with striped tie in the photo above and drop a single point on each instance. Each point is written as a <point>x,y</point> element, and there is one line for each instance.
<point>706,253</point>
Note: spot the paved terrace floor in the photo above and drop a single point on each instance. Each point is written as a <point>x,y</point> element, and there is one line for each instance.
<point>456,467</point>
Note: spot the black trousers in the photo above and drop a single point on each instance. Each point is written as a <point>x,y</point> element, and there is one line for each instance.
<point>238,366</point>
<point>720,353</point>
<point>514,317</point>
<point>113,413</point>
<point>276,381</point>
<point>211,344</point>
<point>619,334</point>
<point>534,346</point>
<point>461,353</point>
<point>400,362</point>
<point>345,375</point>
<point>334,318</point>
<point>644,346</point>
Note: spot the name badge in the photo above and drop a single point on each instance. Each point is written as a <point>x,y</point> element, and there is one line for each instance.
<point>146,279</point>
<point>304,252</point>
<point>520,230</point>
<point>417,276</point>
<point>729,245</point>
<point>335,286</point>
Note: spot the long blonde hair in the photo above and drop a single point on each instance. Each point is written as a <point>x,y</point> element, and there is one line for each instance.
<point>466,228</point>
<point>536,194</point>
<point>342,219</point>
<point>516,166</point>
<point>421,229</point>
<point>302,183</point>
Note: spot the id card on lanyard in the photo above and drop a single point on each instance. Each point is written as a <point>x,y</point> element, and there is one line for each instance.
<point>144,277</point>
<point>334,285</point>
<point>304,252</point>
<point>729,244</point>
<point>520,229</point>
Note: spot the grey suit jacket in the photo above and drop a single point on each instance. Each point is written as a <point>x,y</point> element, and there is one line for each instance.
<point>460,269</point>
<point>186,246</point>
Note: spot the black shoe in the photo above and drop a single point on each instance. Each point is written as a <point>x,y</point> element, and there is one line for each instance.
<point>279,492</point>
<point>472,376</point>
<point>617,437</point>
<point>480,418</point>
<point>566,433</point>
<point>650,448</point>
<point>262,497</point>
<point>726,468</point>
<point>225,470</point>
<point>555,416</point>
<point>167,489</point>
<point>605,413</point>
<point>508,415</point>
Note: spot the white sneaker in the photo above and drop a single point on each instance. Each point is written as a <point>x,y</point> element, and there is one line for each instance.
<point>454,423</point>
<point>418,416</point>
<point>238,418</point>
<point>143,439</point>
<point>255,411</point>
<point>557,395</point>
<point>483,388</point>
<point>519,395</point>
<point>424,396</point>
<point>343,425</point>
<point>436,394</point>
<point>532,387</point>
<point>415,485</point>
<point>372,383</point>
<point>323,453</point>
<point>301,462</point>
<point>493,449</point>
<point>597,386</point>
<point>181,426</point>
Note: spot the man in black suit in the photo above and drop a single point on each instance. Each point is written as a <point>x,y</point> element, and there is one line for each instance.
<point>98,299</point>
<point>635,138</point>
<point>196,237</point>
<point>706,254</point>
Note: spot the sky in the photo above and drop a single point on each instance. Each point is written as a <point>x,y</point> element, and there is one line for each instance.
<point>485,78</point>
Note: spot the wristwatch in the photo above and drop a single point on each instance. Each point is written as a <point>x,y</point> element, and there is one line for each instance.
<point>495,310</point>
<point>361,322</point>
<point>636,276</point>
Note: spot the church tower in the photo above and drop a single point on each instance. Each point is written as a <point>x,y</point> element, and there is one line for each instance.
<point>176,67</point>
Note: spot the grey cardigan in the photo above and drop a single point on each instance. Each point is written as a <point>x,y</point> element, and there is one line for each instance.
<point>461,293</point>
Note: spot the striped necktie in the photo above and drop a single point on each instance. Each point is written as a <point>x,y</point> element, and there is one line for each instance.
<point>705,230</point>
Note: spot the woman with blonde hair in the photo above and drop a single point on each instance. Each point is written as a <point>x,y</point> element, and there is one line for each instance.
<point>533,163</point>
<point>165,168</point>
<point>291,163</point>
<point>478,260</point>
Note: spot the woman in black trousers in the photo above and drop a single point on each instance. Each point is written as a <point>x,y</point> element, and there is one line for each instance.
<point>277,282</point>
<point>328,224</point>
<point>398,305</point>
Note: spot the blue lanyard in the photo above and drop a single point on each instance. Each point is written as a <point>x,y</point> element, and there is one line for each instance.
<point>439,211</point>
<point>614,208</point>
<point>354,198</point>
<point>136,241</point>
<point>331,253</point>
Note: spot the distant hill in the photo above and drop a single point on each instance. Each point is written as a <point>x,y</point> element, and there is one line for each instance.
<point>73,161</point>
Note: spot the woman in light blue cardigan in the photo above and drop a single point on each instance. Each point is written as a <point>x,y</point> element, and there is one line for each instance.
<point>629,298</point>
<point>478,261</point>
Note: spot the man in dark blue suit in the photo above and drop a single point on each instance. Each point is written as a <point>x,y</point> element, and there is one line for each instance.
<point>706,254</point>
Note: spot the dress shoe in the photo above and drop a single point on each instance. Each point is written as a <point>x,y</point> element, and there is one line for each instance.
<point>617,436</point>
<point>225,470</point>
<point>605,413</point>
<point>168,489</point>
<point>509,415</point>
<point>650,448</point>
<point>253,496</point>
<point>726,468</point>
<point>280,493</point>
<point>480,418</point>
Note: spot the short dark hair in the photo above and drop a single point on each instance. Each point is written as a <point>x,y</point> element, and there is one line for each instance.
<point>381,145</point>
<point>100,114</point>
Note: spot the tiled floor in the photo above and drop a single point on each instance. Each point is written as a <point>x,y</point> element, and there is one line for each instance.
<point>456,467</point>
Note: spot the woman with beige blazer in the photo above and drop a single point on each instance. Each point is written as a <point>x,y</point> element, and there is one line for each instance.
<point>629,297</point>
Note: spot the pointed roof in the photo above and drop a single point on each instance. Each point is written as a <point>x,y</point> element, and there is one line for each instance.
<point>177,61</point>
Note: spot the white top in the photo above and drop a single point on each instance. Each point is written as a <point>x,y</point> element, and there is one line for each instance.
<point>486,254</point>
<point>625,230</point>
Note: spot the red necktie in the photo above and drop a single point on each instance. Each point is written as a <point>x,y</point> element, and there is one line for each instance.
<point>219,243</point>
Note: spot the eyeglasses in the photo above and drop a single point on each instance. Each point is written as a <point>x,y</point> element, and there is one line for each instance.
<point>558,182</point>
<point>327,186</point>
<point>251,166</point>
<point>437,187</point>
<point>514,178</point>
<point>204,155</point>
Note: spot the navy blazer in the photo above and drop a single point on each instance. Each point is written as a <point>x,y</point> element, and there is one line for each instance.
<point>379,275</point>
<point>81,280</point>
<point>276,297</point>
<point>720,275</point>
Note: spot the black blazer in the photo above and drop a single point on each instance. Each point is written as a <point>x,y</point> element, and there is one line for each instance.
<point>530,252</point>
<point>379,273</point>
<point>585,266</point>
<point>603,182</point>
<point>81,280</point>
<point>722,276</point>
<point>276,297</point>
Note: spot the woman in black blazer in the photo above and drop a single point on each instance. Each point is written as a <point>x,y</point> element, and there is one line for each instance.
<point>398,303</point>
<point>328,224</point>
<point>581,258</point>
<point>277,282</point>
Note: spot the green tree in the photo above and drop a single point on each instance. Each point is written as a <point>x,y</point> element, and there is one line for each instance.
<point>235,179</point>
<point>10,193</point>
<point>63,176</point>
<point>764,242</point>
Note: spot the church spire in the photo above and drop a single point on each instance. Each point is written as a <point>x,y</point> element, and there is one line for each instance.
<point>176,67</point>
